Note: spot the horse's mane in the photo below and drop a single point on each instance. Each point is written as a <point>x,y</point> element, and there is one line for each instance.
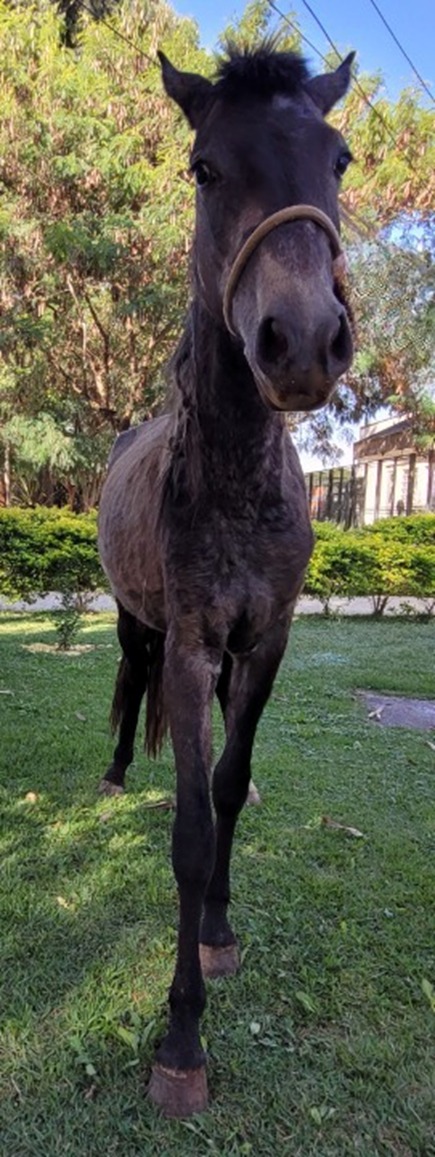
<point>259,72</point>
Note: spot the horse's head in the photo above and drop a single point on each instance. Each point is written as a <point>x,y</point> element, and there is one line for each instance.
<point>261,146</point>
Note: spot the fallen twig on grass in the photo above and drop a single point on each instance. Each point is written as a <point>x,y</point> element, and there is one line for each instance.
<point>327,822</point>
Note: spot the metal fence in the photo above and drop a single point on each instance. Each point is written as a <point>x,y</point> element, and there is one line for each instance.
<point>376,488</point>
<point>336,495</point>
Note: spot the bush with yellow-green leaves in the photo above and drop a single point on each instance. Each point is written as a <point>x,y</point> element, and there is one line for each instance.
<point>392,557</point>
<point>47,549</point>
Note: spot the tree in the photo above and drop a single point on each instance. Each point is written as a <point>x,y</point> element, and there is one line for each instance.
<point>395,362</point>
<point>96,214</point>
<point>393,173</point>
<point>95,225</point>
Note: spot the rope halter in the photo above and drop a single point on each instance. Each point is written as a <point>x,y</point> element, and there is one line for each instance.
<point>291,213</point>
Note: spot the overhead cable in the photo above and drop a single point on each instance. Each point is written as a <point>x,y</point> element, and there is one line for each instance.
<point>402,50</point>
<point>116,32</point>
<point>356,82</point>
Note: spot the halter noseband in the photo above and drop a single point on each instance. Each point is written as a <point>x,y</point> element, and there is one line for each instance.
<point>291,213</point>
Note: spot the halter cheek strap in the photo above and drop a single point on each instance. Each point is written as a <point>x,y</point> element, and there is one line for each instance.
<point>291,213</point>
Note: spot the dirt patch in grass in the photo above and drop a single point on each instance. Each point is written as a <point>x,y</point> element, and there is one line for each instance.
<point>400,711</point>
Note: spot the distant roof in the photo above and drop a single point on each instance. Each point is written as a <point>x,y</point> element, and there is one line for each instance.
<point>384,425</point>
<point>389,438</point>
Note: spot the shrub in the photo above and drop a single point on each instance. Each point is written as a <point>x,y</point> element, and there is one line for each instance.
<point>367,563</point>
<point>48,549</point>
<point>390,570</point>
<point>67,621</point>
<point>416,528</point>
<point>326,530</point>
<point>341,564</point>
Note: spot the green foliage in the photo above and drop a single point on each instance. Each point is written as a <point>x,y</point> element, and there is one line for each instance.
<point>394,298</point>
<point>341,565</point>
<point>414,528</point>
<point>400,568</point>
<point>325,529</point>
<point>48,550</point>
<point>256,23</point>
<point>96,215</point>
<point>393,173</point>
<point>393,557</point>
<point>68,620</point>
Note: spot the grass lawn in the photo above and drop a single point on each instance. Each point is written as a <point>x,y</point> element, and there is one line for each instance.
<point>325,1042</point>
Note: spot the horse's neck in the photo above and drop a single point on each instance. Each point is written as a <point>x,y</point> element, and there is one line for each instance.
<point>231,433</point>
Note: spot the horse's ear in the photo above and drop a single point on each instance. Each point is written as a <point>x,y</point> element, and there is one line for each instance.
<point>328,88</point>
<point>190,91</point>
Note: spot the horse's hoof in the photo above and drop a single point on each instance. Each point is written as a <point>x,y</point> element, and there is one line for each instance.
<point>178,1093</point>
<point>217,962</point>
<point>253,796</point>
<point>105,787</point>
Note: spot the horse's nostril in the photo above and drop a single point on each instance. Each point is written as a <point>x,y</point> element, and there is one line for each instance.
<point>272,343</point>
<point>341,344</point>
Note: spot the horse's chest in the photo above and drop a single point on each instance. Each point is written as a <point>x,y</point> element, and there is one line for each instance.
<point>243,577</point>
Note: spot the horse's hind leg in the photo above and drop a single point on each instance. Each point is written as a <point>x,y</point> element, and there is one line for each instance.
<point>247,693</point>
<point>222,691</point>
<point>130,688</point>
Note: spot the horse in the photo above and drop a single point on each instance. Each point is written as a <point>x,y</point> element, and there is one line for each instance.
<point>131,682</point>
<point>204,529</point>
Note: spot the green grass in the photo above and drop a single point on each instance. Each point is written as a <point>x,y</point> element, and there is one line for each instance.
<point>324,1044</point>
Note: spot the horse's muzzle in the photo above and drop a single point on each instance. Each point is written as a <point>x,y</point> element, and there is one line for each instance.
<point>297,366</point>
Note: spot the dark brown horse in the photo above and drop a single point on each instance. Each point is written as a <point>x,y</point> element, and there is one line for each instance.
<point>204,527</point>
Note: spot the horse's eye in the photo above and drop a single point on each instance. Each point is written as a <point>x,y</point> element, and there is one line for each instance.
<point>342,162</point>
<point>203,175</point>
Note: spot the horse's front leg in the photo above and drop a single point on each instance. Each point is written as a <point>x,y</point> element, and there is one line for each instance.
<point>251,682</point>
<point>178,1083</point>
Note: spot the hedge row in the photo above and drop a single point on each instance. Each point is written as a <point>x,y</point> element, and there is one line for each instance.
<point>49,549</point>
<point>395,556</point>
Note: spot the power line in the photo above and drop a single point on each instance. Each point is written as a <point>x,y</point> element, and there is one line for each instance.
<point>116,32</point>
<point>356,82</point>
<point>350,219</point>
<point>322,27</point>
<point>346,216</point>
<point>402,50</point>
<point>296,28</point>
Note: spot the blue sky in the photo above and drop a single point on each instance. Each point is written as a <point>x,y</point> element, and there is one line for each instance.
<point>351,24</point>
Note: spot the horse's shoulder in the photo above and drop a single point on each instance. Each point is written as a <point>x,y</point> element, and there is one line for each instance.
<point>144,436</point>
<point>121,444</point>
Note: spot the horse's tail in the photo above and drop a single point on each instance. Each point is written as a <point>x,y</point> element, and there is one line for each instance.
<point>120,694</point>
<point>150,674</point>
<point>156,716</point>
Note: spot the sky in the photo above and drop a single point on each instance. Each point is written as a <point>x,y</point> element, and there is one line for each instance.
<point>351,24</point>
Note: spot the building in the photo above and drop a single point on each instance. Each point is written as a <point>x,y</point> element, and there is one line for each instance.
<point>390,475</point>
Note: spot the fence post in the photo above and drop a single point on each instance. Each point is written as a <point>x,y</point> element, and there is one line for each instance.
<point>411,481</point>
<point>328,511</point>
<point>393,487</point>
<point>430,478</point>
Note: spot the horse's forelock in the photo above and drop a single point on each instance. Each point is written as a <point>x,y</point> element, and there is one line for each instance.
<point>261,72</point>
